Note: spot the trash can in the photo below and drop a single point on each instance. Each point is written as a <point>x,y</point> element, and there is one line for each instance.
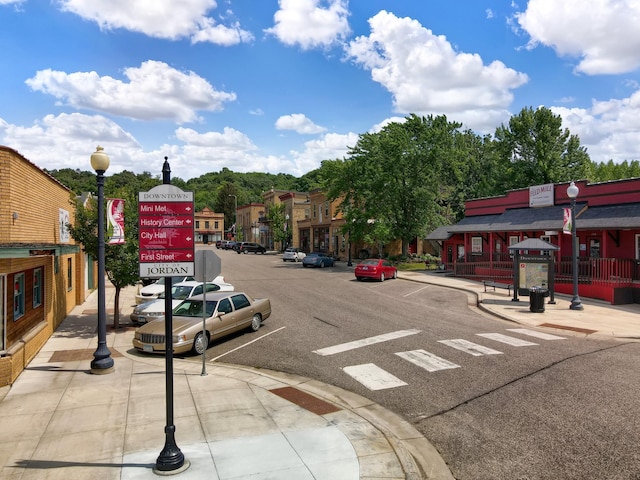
<point>536,299</point>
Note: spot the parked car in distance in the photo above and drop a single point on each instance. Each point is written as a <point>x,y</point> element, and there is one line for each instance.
<point>249,247</point>
<point>292,254</point>
<point>375,268</point>
<point>154,309</point>
<point>317,259</point>
<point>151,291</point>
<point>228,244</point>
<point>226,312</point>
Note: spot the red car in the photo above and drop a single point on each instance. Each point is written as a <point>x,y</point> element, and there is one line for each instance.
<point>376,268</point>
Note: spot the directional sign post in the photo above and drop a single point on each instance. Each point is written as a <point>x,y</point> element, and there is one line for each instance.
<point>166,238</point>
<point>165,219</point>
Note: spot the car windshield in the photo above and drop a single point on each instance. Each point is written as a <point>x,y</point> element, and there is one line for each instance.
<point>193,308</point>
<point>180,292</point>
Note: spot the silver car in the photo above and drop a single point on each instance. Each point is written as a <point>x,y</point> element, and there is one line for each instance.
<point>226,313</point>
<point>293,254</point>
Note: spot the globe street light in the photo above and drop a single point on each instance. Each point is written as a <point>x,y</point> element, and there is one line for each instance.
<point>572,193</point>
<point>102,362</point>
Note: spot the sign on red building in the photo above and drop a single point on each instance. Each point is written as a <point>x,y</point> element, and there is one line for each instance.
<point>166,232</point>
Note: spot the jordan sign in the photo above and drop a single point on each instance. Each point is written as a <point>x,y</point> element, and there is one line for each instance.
<point>166,232</point>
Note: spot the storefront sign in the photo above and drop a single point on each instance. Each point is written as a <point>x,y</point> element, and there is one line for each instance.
<point>541,195</point>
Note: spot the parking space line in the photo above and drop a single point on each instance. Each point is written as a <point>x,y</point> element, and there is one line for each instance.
<point>416,291</point>
<point>246,344</point>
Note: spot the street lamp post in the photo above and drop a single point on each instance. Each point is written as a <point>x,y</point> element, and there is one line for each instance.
<point>572,193</point>
<point>102,362</point>
<point>235,213</point>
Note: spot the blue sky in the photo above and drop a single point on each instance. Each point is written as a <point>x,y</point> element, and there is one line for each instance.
<point>278,86</point>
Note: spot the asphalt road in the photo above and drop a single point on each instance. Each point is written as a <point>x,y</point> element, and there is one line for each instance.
<point>561,407</point>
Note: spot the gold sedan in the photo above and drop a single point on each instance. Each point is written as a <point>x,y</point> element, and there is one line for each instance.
<point>226,313</point>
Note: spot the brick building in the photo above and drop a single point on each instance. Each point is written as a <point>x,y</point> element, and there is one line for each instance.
<point>43,272</point>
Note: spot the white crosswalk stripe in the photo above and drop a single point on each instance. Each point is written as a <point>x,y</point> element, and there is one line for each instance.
<point>426,360</point>
<point>499,337</point>
<point>343,347</point>
<point>470,347</point>
<point>376,378</point>
<point>533,333</point>
<point>373,377</point>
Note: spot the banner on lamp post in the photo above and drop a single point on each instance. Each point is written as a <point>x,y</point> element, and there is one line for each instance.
<point>115,221</point>
<point>566,224</point>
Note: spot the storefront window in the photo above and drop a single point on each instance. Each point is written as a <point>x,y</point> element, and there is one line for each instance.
<point>18,296</point>
<point>37,287</point>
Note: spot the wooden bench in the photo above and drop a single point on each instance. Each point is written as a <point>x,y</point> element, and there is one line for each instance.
<point>491,283</point>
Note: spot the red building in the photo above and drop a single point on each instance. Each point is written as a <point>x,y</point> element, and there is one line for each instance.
<point>607,226</point>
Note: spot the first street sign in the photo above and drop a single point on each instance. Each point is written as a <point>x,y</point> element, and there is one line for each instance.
<point>166,235</point>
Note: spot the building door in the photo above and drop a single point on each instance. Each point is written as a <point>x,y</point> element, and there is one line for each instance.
<point>594,248</point>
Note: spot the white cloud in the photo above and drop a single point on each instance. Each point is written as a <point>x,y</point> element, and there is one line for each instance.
<point>329,147</point>
<point>154,91</point>
<point>309,25</point>
<point>299,123</point>
<point>67,141</point>
<point>603,34</point>
<point>426,75</point>
<point>609,129</point>
<point>160,19</point>
<point>220,34</point>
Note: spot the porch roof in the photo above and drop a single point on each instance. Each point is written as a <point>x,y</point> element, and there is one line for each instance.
<point>547,218</point>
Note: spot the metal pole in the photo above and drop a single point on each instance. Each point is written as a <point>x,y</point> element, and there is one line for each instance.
<point>576,304</point>
<point>102,362</point>
<point>171,457</point>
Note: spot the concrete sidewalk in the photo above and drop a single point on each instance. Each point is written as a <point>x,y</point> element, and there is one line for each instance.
<point>60,422</point>
<point>597,317</point>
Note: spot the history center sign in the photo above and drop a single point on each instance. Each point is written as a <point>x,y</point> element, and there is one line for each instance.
<point>166,232</point>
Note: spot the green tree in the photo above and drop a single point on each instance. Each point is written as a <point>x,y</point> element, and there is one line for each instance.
<point>121,261</point>
<point>534,149</point>
<point>389,183</point>
<point>278,221</point>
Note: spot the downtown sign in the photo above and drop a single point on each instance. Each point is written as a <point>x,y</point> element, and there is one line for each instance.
<point>166,232</point>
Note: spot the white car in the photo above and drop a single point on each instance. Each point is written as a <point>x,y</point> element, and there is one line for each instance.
<point>151,291</point>
<point>154,309</point>
<point>293,254</point>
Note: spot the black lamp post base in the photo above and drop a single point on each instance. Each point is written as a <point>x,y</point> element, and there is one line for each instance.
<point>576,305</point>
<point>103,368</point>
<point>102,362</point>
<point>171,459</point>
<point>166,473</point>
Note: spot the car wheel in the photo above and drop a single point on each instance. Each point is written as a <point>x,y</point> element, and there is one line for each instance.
<point>305,265</point>
<point>256,321</point>
<point>200,343</point>
<point>382,277</point>
<point>359,279</point>
<point>321,264</point>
